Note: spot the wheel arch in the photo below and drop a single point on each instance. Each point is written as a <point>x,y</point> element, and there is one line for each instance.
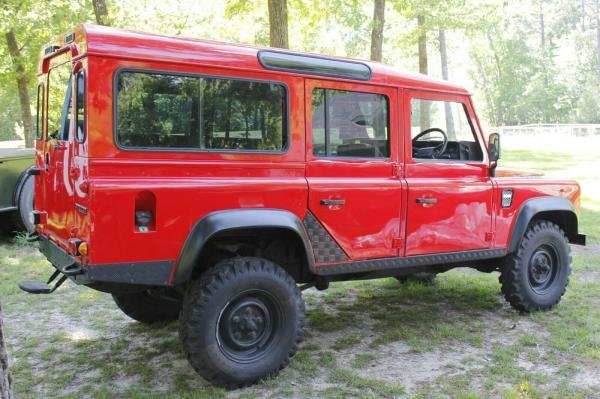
<point>555,209</point>
<point>238,222</point>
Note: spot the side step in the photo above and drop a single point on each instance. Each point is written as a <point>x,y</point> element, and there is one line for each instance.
<point>39,287</point>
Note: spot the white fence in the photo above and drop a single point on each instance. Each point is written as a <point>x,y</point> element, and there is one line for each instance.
<point>564,130</point>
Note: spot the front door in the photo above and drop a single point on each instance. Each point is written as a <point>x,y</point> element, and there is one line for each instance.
<point>352,167</point>
<point>449,189</point>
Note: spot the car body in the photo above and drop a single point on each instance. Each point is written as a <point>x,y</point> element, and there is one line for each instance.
<point>180,163</point>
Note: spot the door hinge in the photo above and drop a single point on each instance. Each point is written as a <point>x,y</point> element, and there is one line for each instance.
<point>489,236</point>
<point>397,242</point>
<point>397,170</point>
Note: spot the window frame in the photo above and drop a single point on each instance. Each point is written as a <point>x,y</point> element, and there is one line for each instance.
<point>442,97</point>
<point>325,124</point>
<point>286,114</point>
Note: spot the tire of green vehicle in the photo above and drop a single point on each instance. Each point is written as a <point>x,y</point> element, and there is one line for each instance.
<point>147,307</point>
<point>242,321</point>
<point>535,277</point>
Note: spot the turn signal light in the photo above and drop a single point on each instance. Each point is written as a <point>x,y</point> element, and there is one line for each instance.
<point>507,197</point>
<point>82,248</point>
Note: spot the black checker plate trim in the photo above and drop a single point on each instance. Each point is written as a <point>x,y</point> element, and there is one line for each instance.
<point>410,261</point>
<point>325,249</point>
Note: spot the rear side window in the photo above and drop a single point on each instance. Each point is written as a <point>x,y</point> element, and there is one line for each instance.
<point>350,124</point>
<point>156,110</point>
<point>59,101</point>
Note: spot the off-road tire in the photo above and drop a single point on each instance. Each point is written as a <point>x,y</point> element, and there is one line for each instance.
<point>148,307</point>
<point>225,350</point>
<point>527,284</point>
<point>425,278</point>
<point>23,200</point>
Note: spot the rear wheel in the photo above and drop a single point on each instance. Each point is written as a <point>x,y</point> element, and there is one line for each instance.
<point>535,277</point>
<point>24,201</point>
<point>149,306</point>
<point>241,321</point>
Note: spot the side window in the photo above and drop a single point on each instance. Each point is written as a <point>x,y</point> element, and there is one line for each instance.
<point>39,111</point>
<point>59,101</point>
<point>189,112</point>
<point>442,130</point>
<point>80,105</point>
<point>350,124</point>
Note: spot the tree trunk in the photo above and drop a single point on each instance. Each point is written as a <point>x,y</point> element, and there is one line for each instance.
<point>597,13</point>
<point>424,105</point>
<point>4,375</point>
<point>377,33</point>
<point>542,29</point>
<point>101,12</point>
<point>278,23</point>
<point>22,86</point>
<point>444,63</point>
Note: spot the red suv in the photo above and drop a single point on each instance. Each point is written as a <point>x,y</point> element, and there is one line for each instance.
<point>212,182</point>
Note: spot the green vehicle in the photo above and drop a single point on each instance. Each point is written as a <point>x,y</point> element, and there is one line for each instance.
<point>16,188</point>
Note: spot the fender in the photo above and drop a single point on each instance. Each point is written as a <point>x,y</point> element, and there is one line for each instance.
<point>532,207</point>
<point>220,221</point>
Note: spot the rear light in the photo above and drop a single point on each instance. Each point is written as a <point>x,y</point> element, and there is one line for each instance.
<point>82,248</point>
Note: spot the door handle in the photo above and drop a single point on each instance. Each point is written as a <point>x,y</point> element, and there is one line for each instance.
<point>426,201</point>
<point>330,202</point>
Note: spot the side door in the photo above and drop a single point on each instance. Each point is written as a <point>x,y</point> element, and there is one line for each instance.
<point>352,168</point>
<point>449,200</point>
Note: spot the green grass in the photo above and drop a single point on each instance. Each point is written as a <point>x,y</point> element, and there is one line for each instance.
<point>456,338</point>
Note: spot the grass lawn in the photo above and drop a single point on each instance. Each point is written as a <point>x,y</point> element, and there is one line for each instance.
<point>456,338</point>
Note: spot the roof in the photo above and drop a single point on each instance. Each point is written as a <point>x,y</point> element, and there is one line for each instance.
<point>110,42</point>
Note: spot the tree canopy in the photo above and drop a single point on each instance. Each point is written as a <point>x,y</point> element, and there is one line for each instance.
<point>528,61</point>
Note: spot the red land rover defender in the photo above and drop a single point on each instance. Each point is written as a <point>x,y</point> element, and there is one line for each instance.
<point>213,182</point>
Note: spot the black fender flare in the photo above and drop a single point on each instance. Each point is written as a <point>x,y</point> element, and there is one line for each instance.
<point>532,207</point>
<point>220,221</point>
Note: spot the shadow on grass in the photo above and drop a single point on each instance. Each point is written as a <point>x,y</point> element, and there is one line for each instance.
<point>424,316</point>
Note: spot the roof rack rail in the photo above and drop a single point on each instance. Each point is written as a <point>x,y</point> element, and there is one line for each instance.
<point>313,65</point>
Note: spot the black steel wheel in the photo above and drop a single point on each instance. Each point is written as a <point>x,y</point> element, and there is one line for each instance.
<point>543,268</point>
<point>535,277</point>
<point>241,321</point>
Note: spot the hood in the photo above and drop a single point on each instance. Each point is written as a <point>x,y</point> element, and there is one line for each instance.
<point>507,172</point>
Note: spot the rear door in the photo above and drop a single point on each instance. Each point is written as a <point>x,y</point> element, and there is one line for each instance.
<point>57,189</point>
<point>449,188</point>
<point>352,166</point>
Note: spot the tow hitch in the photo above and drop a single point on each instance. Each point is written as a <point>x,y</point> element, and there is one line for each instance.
<point>39,287</point>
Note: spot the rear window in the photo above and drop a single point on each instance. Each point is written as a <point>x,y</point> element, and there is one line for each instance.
<point>158,110</point>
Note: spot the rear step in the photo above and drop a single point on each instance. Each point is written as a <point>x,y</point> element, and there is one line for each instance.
<point>39,287</point>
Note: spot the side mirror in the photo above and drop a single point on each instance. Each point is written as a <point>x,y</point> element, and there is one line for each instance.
<point>494,147</point>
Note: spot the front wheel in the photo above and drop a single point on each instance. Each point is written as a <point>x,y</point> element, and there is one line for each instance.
<point>535,277</point>
<point>241,321</point>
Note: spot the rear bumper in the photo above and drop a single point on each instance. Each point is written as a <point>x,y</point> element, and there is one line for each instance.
<point>155,273</point>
